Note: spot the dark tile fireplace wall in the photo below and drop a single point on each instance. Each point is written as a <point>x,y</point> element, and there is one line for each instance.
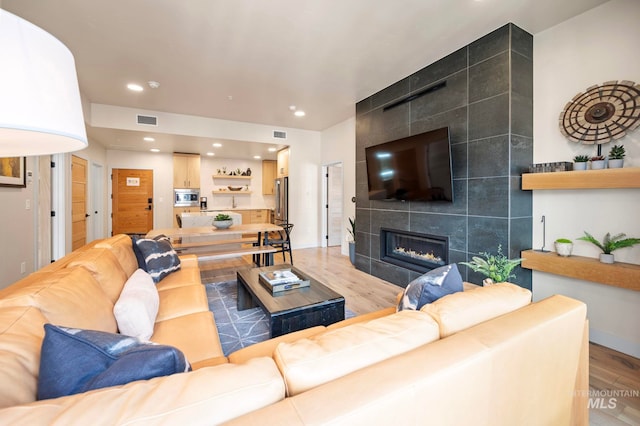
<point>488,105</point>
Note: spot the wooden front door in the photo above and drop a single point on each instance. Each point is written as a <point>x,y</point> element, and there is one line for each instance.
<point>78,202</point>
<point>132,204</point>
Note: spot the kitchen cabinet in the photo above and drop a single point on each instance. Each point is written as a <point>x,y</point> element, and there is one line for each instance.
<point>269,172</point>
<point>186,170</point>
<point>283,163</point>
<point>178,210</point>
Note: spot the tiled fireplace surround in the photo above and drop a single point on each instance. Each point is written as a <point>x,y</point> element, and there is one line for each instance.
<point>488,105</point>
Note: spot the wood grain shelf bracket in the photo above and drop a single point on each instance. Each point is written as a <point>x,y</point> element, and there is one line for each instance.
<point>618,274</point>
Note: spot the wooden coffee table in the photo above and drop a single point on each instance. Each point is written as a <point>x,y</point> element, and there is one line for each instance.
<point>290,310</point>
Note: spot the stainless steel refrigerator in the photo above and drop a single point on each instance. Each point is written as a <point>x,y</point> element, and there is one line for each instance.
<point>282,200</point>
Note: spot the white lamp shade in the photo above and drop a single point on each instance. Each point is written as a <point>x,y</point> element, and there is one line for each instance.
<point>40,107</point>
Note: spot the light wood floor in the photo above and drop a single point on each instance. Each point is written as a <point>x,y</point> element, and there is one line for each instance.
<point>610,372</point>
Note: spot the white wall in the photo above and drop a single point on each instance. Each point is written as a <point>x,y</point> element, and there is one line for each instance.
<point>597,46</point>
<point>339,146</point>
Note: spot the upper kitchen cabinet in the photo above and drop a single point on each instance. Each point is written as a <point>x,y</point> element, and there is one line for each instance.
<point>283,163</point>
<point>186,170</point>
<point>269,171</point>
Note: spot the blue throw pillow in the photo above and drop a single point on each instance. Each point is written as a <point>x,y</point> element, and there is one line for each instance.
<point>74,361</point>
<point>160,259</point>
<point>430,287</point>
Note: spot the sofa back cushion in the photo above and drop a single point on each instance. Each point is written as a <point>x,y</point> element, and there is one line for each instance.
<point>70,297</point>
<point>105,269</point>
<point>21,334</point>
<point>459,311</point>
<point>122,248</point>
<point>310,362</point>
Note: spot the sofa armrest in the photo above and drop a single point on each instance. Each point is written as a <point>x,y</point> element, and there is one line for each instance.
<point>207,396</point>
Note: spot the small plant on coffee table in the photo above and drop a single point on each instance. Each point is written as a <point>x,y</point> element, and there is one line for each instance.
<point>222,216</point>
<point>497,268</point>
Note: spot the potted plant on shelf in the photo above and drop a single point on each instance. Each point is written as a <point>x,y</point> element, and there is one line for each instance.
<point>580,162</point>
<point>222,221</point>
<point>563,247</point>
<point>497,268</point>
<point>597,162</point>
<point>616,157</point>
<point>609,244</point>
<point>351,238</point>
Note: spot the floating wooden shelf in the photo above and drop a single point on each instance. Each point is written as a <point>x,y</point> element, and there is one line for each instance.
<point>583,179</point>
<point>232,192</point>
<point>230,177</point>
<point>618,274</point>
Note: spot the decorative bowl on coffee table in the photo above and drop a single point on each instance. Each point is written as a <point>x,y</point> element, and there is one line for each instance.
<point>222,224</point>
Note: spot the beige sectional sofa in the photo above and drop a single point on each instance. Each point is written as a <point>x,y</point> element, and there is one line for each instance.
<point>485,356</point>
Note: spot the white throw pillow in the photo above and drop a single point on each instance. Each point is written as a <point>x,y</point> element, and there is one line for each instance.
<point>137,307</point>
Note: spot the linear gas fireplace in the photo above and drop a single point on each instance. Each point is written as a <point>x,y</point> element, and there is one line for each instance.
<point>412,250</point>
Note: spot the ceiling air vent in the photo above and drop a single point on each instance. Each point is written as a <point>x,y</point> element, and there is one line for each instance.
<point>148,120</point>
<point>279,134</point>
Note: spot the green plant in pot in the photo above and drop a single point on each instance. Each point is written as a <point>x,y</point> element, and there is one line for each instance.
<point>351,238</point>
<point>580,162</point>
<point>222,221</point>
<point>616,157</point>
<point>609,244</point>
<point>563,247</point>
<point>497,268</point>
<point>597,162</point>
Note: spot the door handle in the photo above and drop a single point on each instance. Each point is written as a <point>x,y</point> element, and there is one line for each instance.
<point>149,208</point>
<point>86,215</point>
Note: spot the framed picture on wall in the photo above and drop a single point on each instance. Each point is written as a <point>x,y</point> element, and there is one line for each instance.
<point>13,171</point>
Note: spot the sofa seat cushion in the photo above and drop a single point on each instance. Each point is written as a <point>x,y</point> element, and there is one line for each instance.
<point>460,311</point>
<point>310,362</point>
<point>195,335</point>
<point>70,297</point>
<point>137,307</point>
<point>179,301</point>
<point>105,268</point>
<point>74,361</point>
<point>21,334</point>
<point>431,286</point>
<point>122,248</point>
<point>181,278</point>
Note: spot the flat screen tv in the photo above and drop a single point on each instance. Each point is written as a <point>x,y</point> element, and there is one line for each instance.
<point>415,168</point>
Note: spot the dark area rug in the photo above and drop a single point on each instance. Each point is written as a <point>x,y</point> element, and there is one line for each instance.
<point>238,329</point>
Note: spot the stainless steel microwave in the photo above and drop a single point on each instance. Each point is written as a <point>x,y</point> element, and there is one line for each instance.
<point>186,197</point>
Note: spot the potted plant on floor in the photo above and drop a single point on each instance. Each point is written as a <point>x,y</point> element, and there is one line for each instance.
<point>497,268</point>
<point>616,157</point>
<point>351,238</point>
<point>563,247</point>
<point>222,221</point>
<point>580,162</point>
<point>609,244</point>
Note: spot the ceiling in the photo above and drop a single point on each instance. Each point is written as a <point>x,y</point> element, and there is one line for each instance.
<point>250,60</point>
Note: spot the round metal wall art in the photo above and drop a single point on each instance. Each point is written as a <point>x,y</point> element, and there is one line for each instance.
<point>602,113</point>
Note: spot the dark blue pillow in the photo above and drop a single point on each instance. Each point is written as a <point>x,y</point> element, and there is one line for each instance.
<point>160,259</point>
<point>430,287</point>
<point>139,257</point>
<point>74,361</point>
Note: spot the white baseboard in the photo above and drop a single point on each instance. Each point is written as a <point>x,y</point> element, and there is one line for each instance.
<point>614,342</point>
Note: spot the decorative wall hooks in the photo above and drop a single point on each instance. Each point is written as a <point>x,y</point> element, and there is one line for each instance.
<point>602,113</point>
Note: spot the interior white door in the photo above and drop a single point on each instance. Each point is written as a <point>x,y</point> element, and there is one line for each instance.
<point>334,204</point>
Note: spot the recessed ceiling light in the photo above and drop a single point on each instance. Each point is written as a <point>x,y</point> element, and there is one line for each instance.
<point>148,139</point>
<point>210,154</point>
<point>154,150</point>
<point>272,149</point>
<point>217,145</point>
<point>299,113</point>
<point>292,107</point>
<point>153,84</point>
<point>135,87</point>
<point>257,157</point>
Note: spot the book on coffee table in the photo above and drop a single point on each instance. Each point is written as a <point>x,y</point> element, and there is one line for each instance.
<point>283,279</point>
